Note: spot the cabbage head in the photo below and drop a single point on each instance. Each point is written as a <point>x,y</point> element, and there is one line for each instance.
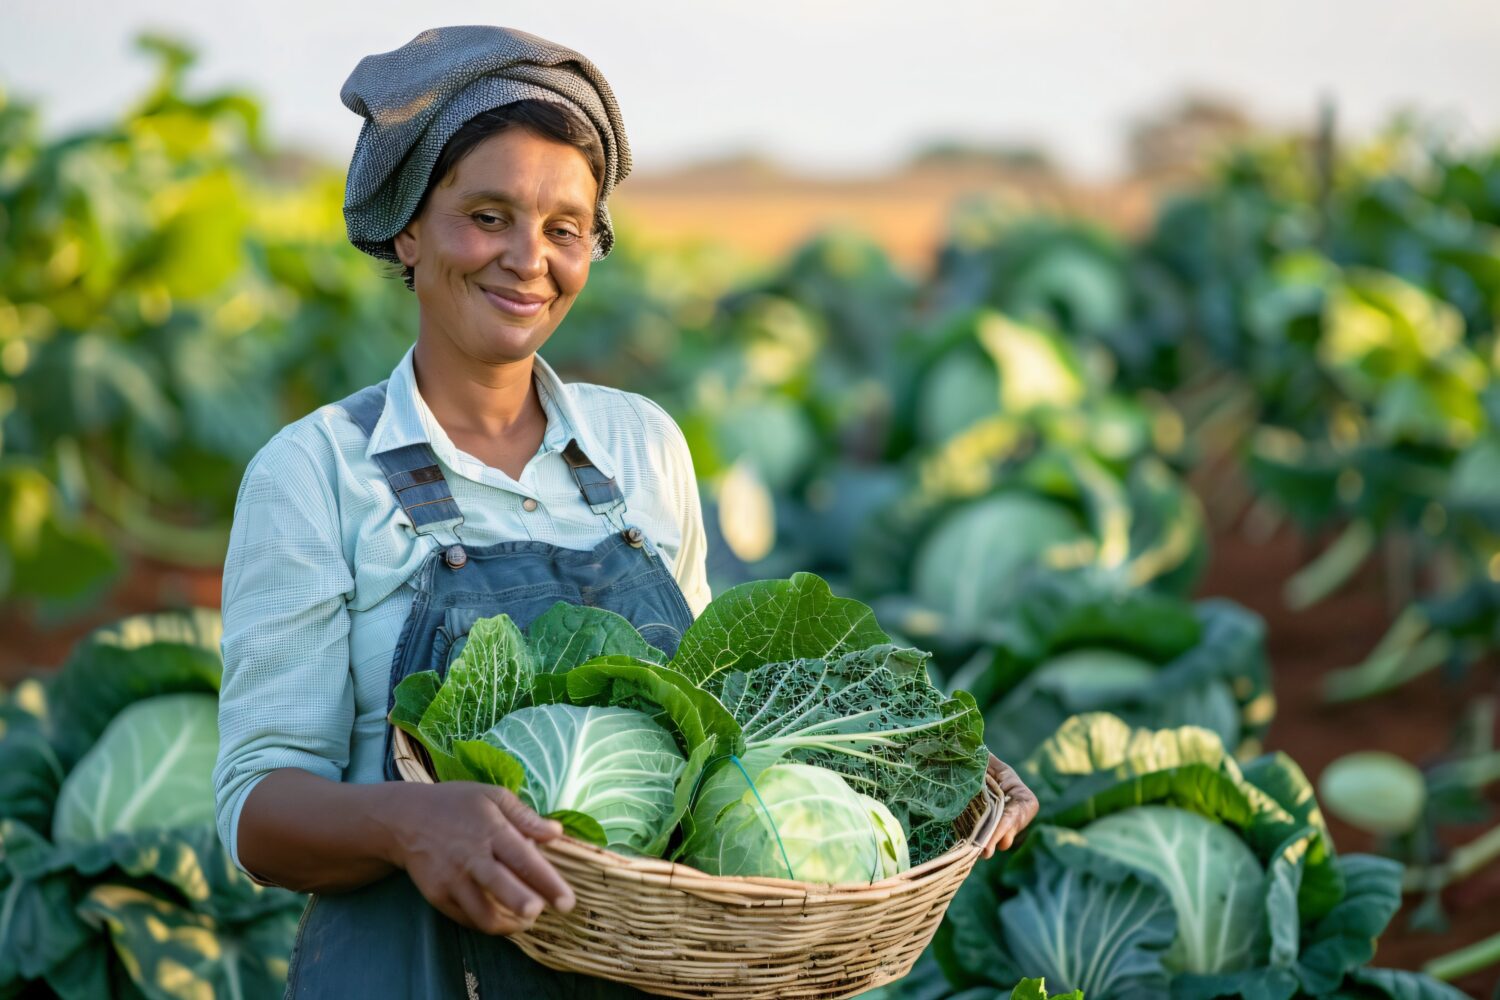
<point>152,768</point>
<point>799,821</point>
<point>890,838</point>
<point>1215,882</point>
<point>968,568</point>
<point>614,765</point>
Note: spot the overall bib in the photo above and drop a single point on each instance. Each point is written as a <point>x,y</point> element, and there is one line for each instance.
<point>384,939</point>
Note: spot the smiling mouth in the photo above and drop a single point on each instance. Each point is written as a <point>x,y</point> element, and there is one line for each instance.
<point>512,307</point>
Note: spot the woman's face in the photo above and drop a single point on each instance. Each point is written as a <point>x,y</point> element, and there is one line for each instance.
<point>512,220</point>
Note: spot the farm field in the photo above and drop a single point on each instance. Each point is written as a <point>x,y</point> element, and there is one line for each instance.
<point>1183,499</point>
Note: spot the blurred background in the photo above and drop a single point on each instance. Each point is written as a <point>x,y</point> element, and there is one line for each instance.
<point>1183,308</point>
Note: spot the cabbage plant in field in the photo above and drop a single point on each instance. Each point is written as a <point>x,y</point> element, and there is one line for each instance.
<point>114,879</point>
<point>1159,866</point>
<point>1080,641</point>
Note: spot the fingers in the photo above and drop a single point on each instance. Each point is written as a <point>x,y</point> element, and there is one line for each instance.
<point>1020,807</point>
<point>516,851</point>
<point>502,884</point>
<point>522,817</point>
<point>481,912</point>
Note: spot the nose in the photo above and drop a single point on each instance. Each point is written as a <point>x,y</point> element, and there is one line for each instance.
<point>523,252</point>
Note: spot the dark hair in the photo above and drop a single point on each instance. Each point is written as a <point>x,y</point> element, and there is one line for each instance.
<point>548,119</point>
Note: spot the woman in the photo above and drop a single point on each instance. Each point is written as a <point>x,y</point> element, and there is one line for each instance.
<point>371,533</point>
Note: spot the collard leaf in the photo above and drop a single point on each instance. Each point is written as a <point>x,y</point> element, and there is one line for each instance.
<point>569,634</point>
<point>873,716</point>
<point>484,762</point>
<point>581,826</point>
<point>490,680</point>
<point>773,621</point>
<point>1344,938</point>
<point>670,698</point>
<point>414,695</point>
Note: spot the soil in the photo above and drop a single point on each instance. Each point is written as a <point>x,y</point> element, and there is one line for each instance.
<point>1415,722</point>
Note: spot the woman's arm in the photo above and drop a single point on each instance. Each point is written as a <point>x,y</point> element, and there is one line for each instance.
<point>470,848</point>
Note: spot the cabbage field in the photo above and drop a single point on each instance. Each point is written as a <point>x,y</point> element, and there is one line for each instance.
<point>1197,527</point>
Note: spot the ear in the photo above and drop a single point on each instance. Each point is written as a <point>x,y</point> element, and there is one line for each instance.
<point>406,244</point>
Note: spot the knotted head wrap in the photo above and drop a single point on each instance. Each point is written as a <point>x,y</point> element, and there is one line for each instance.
<point>414,98</point>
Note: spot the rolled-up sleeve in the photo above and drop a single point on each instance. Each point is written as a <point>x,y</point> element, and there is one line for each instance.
<point>287,695</point>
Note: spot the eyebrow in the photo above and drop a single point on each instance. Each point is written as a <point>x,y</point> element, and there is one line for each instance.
<point>500,196</point>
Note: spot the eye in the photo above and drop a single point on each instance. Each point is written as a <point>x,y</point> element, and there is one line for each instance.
<point>566,232</point>
<point>485,218</point>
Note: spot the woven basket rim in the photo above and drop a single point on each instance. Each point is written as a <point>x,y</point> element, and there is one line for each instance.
<point>414,766</point>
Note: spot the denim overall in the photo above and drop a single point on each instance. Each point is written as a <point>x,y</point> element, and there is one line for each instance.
<point>384,939</point>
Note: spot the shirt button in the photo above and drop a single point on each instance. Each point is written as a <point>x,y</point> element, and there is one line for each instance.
<point>528,504</point>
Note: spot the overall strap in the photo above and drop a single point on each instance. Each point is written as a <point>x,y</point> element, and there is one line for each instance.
<point>411,470</point>
<point>600,492</point>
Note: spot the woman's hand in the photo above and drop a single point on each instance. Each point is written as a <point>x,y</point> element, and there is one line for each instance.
<point>1020,807</point>
<point>472,850</point>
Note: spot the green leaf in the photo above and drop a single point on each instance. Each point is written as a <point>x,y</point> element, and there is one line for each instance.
<point>1036,989</point>
<point>174,953</point>
<point>484,762</point>
<point>1344,938</point>
<point>873,716</point>
<point>773,621</point>
<point>670,698</point>
<point>1396,984</point>
<point>135,658</point>
<point>569,634</point>
<point>614,764</point>
<point>1106,938</point>
<point>580,826</point>
<point>414,695</point>
<point>968,943</point>
<point>151,768</point>
<point>491,679</point>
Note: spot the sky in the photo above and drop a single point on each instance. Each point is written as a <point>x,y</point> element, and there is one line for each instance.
<point>823,86</point>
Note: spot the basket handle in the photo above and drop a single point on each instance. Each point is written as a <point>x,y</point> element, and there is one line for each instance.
<point>991,818</point>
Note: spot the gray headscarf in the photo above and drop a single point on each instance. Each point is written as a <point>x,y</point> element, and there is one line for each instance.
<point>414,98</point>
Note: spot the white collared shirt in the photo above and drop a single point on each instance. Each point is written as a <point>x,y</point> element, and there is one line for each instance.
<point>317,577</point>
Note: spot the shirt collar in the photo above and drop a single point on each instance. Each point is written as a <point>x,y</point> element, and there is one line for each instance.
<point>406,419</point>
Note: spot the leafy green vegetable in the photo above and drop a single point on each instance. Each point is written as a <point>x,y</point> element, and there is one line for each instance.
<point>490,679</point>
<point>152,768</point>
<point>1159,866</point>
<point>773,621</point>
<point>787,821</point>
<point>871,715</point>
<point>612,765</point>
<point>890,838</point>
<point>1036,989</point>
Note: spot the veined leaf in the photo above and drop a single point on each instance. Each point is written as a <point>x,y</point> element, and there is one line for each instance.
<point>773,621</point>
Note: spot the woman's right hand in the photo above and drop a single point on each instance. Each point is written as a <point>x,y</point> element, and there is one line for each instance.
<point>471,849</point>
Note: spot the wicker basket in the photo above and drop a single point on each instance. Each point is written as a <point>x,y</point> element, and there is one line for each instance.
<point>675,931</point>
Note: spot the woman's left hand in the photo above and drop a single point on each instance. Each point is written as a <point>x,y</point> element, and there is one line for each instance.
<point>1020,807</point>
